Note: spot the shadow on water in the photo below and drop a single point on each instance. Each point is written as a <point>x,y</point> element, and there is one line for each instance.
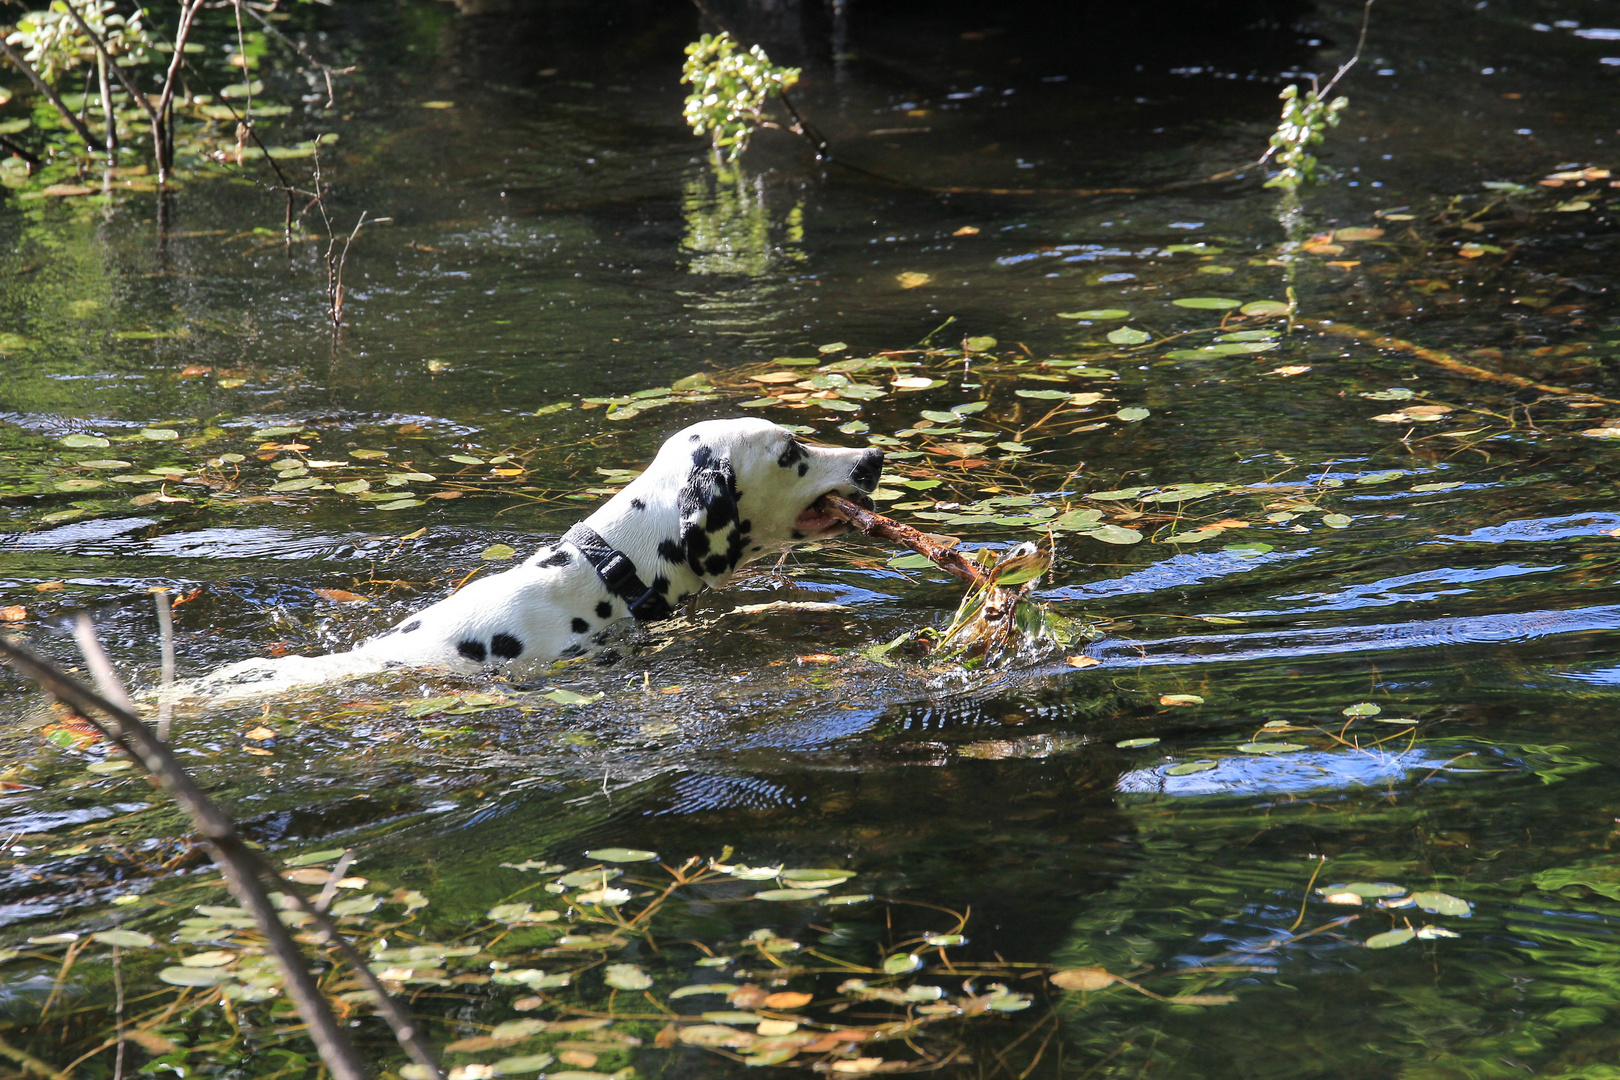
<point>558,236</point>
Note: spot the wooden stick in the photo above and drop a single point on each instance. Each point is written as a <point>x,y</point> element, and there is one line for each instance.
<point>1445,360</point>
<point>874,524</point>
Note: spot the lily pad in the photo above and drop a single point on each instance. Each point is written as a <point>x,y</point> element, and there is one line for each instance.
<point>1264,307</point>
<point>1190,767</point>
<point>1442,903</point>
<point>78,441</point>
<point>789,894</point>
<point>1095,313</point>
<point>1390,938</point>
<point>1131,744</point>
<point>1129,335</point>
<point>1207,303</point>
<point>128,939</point>
<point>1114,534</point>
<point>626,977</point>
<point>619,854</point>
<point>1133,414</point>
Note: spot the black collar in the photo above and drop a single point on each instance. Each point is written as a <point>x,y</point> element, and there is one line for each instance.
<point>618,573</point>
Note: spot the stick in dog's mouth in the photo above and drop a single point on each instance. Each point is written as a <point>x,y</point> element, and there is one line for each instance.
<point>819,517</point>
<point>839,508</point>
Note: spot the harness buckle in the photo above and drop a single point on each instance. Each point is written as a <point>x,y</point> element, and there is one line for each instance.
<point>617,572</point>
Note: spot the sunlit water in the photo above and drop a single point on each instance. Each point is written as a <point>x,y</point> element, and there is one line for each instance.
<point>556,237</point>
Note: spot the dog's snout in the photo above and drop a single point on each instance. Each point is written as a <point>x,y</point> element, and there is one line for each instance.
<point>867,470</point>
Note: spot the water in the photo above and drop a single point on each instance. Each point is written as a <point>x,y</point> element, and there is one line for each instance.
<point>559,236</point>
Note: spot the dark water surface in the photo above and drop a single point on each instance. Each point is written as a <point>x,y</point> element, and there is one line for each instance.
<point>557,237</point>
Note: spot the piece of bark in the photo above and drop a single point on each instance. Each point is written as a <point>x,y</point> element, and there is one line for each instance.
<point>874,524</point>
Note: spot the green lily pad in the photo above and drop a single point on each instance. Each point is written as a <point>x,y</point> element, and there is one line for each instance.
<point>902,963</point>
<point>1390,938</point>
<point>1264,307</point>
<point>1271,747</point>
<point>1114,534</point>
<point>1129,335</point>
<point>1207,303</point>
<point>1190,767</point>
<point>619,854</point>
<point>1095,313</point>
<point>1442,903</point>
<point>789,894</point>
<point>1133,414</point>
<point>194,976</point>
<point>127,939</point>
<point>79,442</point>
<point>1131,744</point>
<point>626,977</point>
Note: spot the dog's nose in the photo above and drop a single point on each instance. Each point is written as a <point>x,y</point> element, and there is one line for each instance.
<point>867,470</point>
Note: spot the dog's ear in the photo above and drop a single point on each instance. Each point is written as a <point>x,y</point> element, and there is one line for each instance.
<point>708,504</point>
<point>709,497</point>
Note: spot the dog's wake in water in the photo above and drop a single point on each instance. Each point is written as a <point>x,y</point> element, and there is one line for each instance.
<point>720,495</point>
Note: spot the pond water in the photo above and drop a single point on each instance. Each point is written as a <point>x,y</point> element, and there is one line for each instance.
<point>1447,575</point>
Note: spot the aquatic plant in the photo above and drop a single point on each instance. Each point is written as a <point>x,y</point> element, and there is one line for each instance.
<point>729,90</point>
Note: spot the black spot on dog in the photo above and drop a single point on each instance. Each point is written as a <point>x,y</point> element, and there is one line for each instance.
<point>411,627</point>
<point>797,535</point>
<point>558,557</point>
<point>472,650</point>
<point>604,610</point>
<point>702,456</point>
<point>506,646</point>
<point>579,625</point>
<point>793,453</point>
<point>671,551</point>
<point>694,437</point>
<point>715,564</point>
<point>660,585</point>
<point>757,547</point>
<point>637,504</point>
<point>804,467</point>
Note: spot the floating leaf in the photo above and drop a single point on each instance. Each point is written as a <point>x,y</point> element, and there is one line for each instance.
<point>626,977</point>
<point>1133,414</point>
<point>1442,903</point>
<point>1114,534</point>
<point>84,442</point>
<point>1336,521</point>
<point>1271,747</point>
<point>1131,744</point>
<point>702,988</point>
<point>1095,313</point>
<point>846,899</point>
<point>1180,699</point>
<point>1092,978</point>
<point>498,551</point>
<point>1390,938</point>
<point>128,939</point>
<point>979,344</point>
<point>1363,708</point>
<point>357,905</point>
<point>1207,303</point>
<point>194,976</point>
<point>901,964</point>
<point>160,434</point>
<point>1371,890</point>
<point>514,1066</point>
<point>619,854</point>
<point>1129,335</point>
<point>836,346</point>
<point>313,857</point>
<point>789,894</point>
<point>1191,767</point>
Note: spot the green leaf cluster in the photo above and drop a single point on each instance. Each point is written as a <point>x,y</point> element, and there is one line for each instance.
<point>729,90</point>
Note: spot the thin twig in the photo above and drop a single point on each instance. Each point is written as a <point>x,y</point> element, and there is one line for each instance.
<point>875,524</point>
<point>165,617</point>
<point>238,862</point>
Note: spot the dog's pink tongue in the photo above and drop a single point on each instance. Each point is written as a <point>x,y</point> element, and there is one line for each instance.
<point>814,521</point>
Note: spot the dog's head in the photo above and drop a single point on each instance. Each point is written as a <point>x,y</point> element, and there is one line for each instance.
<point>742,488</point>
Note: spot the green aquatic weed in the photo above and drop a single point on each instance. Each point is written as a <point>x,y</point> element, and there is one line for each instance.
<point>729,90</point>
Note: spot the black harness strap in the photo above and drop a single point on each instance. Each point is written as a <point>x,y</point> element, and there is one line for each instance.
<point>618,573</point>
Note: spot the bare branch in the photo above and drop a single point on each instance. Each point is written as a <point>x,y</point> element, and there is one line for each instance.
<point>44,88</point>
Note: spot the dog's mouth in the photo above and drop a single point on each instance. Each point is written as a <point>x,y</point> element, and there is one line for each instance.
<point>813,520</point>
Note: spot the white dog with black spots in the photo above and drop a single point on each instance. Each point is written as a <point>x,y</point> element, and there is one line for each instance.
<point>719,495</point>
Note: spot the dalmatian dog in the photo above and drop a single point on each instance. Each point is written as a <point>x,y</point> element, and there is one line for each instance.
<point>719,495</point>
